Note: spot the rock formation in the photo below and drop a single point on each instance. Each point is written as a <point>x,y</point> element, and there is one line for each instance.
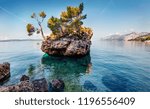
<point>68,35</point>
<point>4,71</point>
<point>66,47</point>
<point>38,85</point>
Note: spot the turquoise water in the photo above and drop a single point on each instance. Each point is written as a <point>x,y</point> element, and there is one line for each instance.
<point>110,66</point>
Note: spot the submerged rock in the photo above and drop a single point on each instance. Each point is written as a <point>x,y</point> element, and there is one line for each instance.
<point>25,85</point>
<point>66,47</point>
<point>119,83</point>
<point>69,69</point>
<point>88,85</point>
<point>4,71</point>
<point>40,85</point>
<point>57,85</point>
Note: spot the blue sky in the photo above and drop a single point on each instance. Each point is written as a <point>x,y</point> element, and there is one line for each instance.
<point>105,17</point>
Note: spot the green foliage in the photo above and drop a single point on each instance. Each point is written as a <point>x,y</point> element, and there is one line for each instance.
<point>70,24</point>
<point>54,24</point>
<point>42,14</point>
<point>81,7</point>
<point>30,29</point>
<point>147,38</point>
<point>143,38</point>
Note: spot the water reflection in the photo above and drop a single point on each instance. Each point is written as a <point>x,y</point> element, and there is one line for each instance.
<point>67,69</point>
<point>31,70</point>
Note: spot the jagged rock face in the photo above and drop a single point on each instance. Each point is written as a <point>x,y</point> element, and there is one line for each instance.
<point>66,47</point>
<point>4,71</point>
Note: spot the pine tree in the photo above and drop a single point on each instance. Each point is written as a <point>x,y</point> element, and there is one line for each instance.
<point>70,24</point>
<point>31,29</point>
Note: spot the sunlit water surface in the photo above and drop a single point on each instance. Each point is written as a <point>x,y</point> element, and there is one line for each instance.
<point>110,66</point>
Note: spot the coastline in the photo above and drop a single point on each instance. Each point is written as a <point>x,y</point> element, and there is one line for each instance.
<point>18,40</point>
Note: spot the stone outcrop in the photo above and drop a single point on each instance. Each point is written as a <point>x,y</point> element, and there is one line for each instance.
<point>66,47</point>
<point>39,85</point>
<point>4,71</point>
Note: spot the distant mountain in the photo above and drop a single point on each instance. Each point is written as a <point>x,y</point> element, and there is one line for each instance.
<point>9,40</point>
<point>127,37</point>
<point>143,38</point>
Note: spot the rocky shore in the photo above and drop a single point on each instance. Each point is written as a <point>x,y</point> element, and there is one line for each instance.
<point>38,85</point>
<point>4,71</point>
<point>66,47</point>
<point>26,85</point>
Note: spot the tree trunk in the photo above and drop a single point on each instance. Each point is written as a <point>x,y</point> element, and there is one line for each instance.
<point>42,33</point>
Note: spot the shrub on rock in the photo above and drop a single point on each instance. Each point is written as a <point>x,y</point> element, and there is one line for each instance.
<point>68,27</point>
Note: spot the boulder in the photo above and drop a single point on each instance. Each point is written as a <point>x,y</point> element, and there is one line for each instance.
<point>4,71</point>
<point>57,85</point>
<point>40,85</point>
<point>66,47</point>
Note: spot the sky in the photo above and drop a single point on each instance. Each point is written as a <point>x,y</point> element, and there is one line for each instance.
<point>105,17</point>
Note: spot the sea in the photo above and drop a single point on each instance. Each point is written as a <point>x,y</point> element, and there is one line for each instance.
<point>111,66</point>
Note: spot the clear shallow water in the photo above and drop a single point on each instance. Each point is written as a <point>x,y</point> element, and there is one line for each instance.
<point>110,66</point>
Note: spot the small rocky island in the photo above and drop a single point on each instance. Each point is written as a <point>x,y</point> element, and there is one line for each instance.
<point>69,37</point>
